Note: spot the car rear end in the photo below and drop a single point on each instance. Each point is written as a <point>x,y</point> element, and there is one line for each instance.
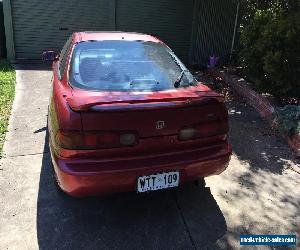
<point>116,147</point>
<point>134,140</point>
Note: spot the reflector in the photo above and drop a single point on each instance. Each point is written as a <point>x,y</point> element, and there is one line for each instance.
<point>128,139</point>
<point>186,134</point>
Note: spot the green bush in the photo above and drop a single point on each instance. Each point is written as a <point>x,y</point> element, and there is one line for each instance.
<point>270,54</point>
<point>288,119</point>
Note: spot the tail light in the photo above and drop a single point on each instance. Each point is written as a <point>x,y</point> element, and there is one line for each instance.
<point>128,139</point>
<point>187,134</point>
<point>78,140</point>
<point>203,130</point>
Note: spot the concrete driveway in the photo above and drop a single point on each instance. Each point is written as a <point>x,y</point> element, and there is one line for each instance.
<point>259,193</point>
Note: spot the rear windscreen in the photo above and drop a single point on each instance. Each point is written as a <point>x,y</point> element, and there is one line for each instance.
<point>127,66</point>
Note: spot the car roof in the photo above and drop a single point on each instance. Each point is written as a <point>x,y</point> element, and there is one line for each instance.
<point>112,35</point>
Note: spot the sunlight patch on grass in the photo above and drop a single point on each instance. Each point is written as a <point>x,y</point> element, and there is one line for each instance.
<point>7,92</point>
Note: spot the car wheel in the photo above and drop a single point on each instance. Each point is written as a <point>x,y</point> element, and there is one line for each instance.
<point>200,183</point>
<point>54,176</point>
<point>57,186</point>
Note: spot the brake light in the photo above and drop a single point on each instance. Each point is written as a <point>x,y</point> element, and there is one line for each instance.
<point>78,140</point>
<point>203,130</point>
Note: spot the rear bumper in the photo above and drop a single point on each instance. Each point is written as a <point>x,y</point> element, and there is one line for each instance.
<point>86,177</point>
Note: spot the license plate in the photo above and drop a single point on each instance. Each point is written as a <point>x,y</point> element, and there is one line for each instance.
<point>157,181</point>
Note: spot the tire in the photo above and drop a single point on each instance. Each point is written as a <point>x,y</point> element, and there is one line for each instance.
<point>200,183</point>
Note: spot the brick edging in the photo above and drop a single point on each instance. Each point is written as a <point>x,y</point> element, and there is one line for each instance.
<point>257,101</point>
<point>294,142</point>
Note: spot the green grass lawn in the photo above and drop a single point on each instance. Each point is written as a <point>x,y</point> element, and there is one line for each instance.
<point>7,92</point>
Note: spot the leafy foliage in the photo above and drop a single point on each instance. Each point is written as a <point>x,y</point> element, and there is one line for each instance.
<point>288,119</point>
<point>270,40</point>
<point>7,90</point>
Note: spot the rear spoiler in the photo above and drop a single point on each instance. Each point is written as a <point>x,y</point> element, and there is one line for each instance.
<point>143,104</point>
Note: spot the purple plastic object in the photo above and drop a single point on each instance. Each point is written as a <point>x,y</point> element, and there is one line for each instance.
<point>213,60</point>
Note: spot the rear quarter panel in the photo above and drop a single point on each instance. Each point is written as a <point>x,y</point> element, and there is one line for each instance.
<point>61,117</point>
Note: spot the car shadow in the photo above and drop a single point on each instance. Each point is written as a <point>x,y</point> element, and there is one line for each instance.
<point>261,190</point>
<point>255,142</point>
<point>185,218</point>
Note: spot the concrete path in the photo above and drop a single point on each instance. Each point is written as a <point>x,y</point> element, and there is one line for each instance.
<point>257,194</point>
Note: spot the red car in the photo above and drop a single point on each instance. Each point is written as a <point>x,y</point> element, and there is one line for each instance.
<point>125,114</point>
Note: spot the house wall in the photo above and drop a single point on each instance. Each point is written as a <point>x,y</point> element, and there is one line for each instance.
<point>214,22</point>
<point>170,20</point>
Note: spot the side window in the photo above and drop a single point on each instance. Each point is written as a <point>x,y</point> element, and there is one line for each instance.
<point>63,57</point>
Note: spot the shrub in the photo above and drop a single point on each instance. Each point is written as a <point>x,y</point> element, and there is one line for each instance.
<point>288,119</point>
<point>270,54</point>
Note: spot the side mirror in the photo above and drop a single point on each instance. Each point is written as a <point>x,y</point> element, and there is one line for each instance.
<point>49,56</point>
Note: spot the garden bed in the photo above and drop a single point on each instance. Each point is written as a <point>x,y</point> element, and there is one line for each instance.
<point>278,118</point>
